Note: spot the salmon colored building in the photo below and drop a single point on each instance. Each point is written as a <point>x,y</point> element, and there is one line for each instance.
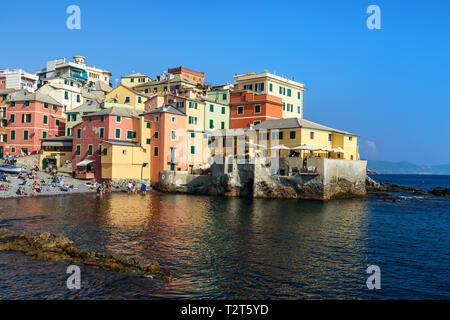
<point>249,108</point>
<point>113,124</point>
<point>31,117</point>
<point>168,140</point>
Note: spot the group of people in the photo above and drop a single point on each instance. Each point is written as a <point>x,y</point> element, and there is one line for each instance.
<point>104,187</point>
<point>133,189</point>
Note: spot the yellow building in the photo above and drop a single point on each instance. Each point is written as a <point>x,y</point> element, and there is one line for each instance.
<point>166,83</point>
<point>295,132</point>
<point>128,159</point>
<point>134,79</point>
<point>125,95</point>
<point>55,151</point>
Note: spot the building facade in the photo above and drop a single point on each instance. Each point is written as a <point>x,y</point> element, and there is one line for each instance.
<point>18,80</point>
<point>290,91</point>
<point>31,117</point>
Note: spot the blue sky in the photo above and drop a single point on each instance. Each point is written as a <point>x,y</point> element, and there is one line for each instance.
<point>390,86</point>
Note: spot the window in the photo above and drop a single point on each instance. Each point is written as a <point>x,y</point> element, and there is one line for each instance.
<point>148,125</point>
<point>190,105</point>
<point>211,124</point>
<point>57,122</point>
<point>240,110</point>
<point>146,90</point>
<point>224,96</point>
<point>284,107</point>
<point>27,103</point>
<point>148,141</point>
<point>89,150</point>
<point>281,90</point>
<point>25,135</point>
<point>280,135</point>
<point>13,103</point>
<point>350,138</point>
<point>44,134</point>
<point>223,110</point>
<point>101,133</point>
<point>102,118</point>
<point>78,98</point>
<point>156,134</point>
<point>78,133</point>
<point>195,105</point>
<point>211,108</point>
<point>117,133</point>
<point>298,95</point>
<point>256,122</point>
<point>248,87</point>
<point>288,92</point>
<point>139,99</point>
<point>45,119</point>
<point>13,134</point>
<point>311,135</point>
<point>127,99</point>
<point>330,137</point>
<point>298,110</point>
<point>292,135</point>
<point>12,118</point>
<point>156,118</point>
<point>46,105</point>
<point>118,119</point>
<point>13,150</point>
<point>192,134</point>
<point>132,80</point>
<point>174,119</point>
<point>129,134</point>
<point>55,107</point>
<point>66,95</point>
<point>259,87</point>
<point>26,118</point>
<point>78,150</point>
<point>192,149</point>
<point>257,108</point>
<point>270,87</point>
<point>222,125</point>
<point>155,151</point>
<point>99,149</point>
<point>195,120</point>
<point>351,157</point>
<point>173,135</point>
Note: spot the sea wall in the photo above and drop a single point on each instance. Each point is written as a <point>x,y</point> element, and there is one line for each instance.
<point>328,179</point>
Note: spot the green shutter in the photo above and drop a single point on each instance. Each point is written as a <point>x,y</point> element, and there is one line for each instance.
<point>25,135</point>
<point>117,133</point>
<point>102,133</point>
<point>192,149</point>
<point>129,134</point>
<point>45,119</point>
<point>148,125</point>
<point>13,135</point>
<point>44,134</point>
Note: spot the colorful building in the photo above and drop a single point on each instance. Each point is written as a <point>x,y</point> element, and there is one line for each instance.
<point>75,116</point>
<point>31,117</point>
<point>18,80</point>
<point>134,79</point>
<point>125,95</point>
<point>88,136</point>
<point>290,91</point>
<point>248,108</point>
<point>198,77</point>
<point>217,115</point>
<point>168,141</point>
<point>4,94</point>
<point>66,91</point>
<point>294,132</point>
<point>55,151</point>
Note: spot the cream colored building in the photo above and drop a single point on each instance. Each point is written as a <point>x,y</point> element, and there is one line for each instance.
<point>67,92</point>
<point>134,79</point>
<point>290,91</point>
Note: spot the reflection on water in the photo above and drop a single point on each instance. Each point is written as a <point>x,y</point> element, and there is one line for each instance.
<point>218,248</point>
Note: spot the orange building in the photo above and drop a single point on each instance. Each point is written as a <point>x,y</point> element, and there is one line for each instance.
<point>249,108</point>
<point>168,140</point>
<point>196,76</point>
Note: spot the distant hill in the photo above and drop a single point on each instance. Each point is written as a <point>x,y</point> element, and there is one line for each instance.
<point>406,168</point>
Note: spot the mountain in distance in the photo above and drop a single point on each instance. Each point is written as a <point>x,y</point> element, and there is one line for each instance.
<point>405,167</point>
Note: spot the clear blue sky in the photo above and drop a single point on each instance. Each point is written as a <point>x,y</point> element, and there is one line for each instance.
<point>390,86</point>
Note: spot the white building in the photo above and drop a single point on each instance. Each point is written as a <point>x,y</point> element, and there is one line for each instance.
<point>66,91</point>
<point>18,79</point>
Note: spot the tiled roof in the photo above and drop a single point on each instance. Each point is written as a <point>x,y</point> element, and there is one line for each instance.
<point>293,123</point>
<point>122,142</point>
<point>165,109</point>
<point>116,111</point>
<point>34,97</point>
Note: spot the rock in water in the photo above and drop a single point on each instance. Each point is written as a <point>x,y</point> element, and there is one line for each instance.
<point>51,247</point>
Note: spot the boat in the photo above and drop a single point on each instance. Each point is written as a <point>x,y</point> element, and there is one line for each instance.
<point>10,166</point>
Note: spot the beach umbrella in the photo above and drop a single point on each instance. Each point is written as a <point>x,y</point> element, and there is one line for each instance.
<point>339,150</point>
<point>280,147</point>
<point>305,147</point>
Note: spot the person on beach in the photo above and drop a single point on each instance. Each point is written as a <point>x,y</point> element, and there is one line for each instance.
<point>144,189</point>
<point>100,191</point>
<point>129,187</point>
<point>109,186</point>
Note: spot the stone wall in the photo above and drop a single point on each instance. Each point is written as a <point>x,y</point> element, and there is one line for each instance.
<point>331,179</point>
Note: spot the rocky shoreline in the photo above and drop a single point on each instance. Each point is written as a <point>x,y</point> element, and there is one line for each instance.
<point>51,247</point>
<point>387,189</point>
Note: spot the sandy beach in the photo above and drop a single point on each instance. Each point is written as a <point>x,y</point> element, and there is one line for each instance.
<point>75,186</point>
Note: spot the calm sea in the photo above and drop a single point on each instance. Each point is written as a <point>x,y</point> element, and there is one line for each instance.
<point>224,248</point>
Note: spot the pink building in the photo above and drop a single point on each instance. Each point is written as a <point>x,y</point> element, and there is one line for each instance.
<point>168,142</point>
<point>30,118</point>
<point>113,124</point>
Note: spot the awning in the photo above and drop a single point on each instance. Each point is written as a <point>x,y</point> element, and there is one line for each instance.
<point>57,144</point>
<point>84,163</point>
